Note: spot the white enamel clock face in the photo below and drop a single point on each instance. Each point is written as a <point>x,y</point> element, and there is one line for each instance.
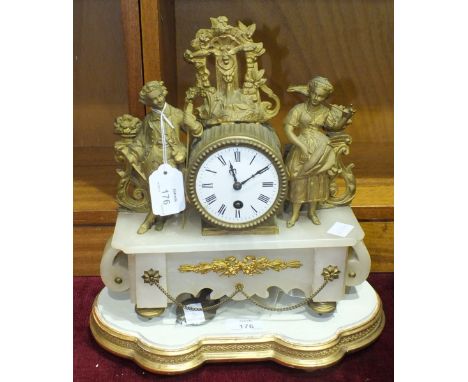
<point>237,184</point>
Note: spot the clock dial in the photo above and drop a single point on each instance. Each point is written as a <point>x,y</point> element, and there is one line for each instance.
<point>237,184</point>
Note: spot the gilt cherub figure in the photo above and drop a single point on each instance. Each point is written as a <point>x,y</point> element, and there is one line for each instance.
<point>141,149</point>
<point>315,128</point>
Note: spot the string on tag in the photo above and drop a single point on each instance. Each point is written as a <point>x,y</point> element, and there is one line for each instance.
<point>163,119</point>
<point>166,183</point>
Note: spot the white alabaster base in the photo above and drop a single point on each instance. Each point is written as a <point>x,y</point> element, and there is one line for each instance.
<point>180,237</point>
<point>180,245</point>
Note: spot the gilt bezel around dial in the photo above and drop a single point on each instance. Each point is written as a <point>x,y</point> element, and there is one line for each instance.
<point>229,142</point>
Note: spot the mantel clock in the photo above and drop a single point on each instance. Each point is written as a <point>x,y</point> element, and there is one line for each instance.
<point>236,181</point>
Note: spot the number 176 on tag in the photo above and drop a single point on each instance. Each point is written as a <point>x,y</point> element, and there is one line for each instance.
<point>167,191</point>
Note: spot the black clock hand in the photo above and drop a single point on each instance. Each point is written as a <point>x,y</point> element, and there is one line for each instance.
<point>262,170</point>
<point>232,171</point>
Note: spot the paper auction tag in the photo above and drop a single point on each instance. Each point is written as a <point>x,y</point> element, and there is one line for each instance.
<point>340,229</point>
<point>194,316</point>
<point>167,190</point>
<point>243,325</point>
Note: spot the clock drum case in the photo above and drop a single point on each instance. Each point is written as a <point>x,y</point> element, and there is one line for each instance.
<point>251,192</point>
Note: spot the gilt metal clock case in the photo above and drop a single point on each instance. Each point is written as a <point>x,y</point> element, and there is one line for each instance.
<point>236,177</point>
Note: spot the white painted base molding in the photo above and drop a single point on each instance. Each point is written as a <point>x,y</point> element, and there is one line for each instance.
<point>239,331</point>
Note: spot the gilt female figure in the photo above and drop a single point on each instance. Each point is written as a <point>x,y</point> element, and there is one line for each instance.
<point>312,157</point>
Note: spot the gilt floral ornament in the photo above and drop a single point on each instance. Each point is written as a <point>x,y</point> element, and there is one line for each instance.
<point>151,277</point>
<point>330,273</point>
<point>127,126</point>
<point>250,265</point>
<point>255,76</point>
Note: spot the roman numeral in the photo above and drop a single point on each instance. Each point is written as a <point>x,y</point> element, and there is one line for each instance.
<point>214,172</point>
<point>254,209</point>
<point>222,209</point>
<point>253,159</point>
<point>221,159</point>
<point>237,213</point>
<point>237,155</point>
<point>263,198</point>
<point>207,185</point>
<point>267,184</point>
<point>211,199</point>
